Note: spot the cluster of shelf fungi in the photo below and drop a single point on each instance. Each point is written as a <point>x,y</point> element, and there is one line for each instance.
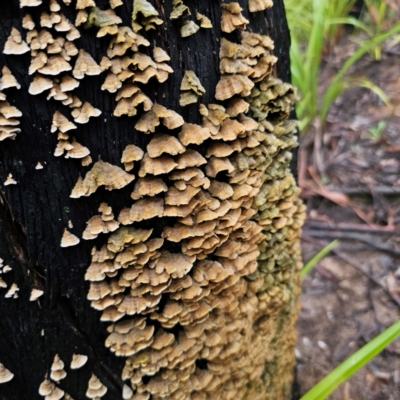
<point>232,289</point>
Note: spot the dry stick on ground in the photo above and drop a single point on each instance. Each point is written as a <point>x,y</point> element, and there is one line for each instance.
<point>316,224</point>
<point>359,268</point>
<point>350,236</point>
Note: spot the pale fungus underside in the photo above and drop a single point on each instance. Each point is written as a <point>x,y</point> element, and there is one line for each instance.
<point>195,278</point>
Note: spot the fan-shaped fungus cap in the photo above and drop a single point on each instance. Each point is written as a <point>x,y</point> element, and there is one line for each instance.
<point>150,120</point>
<point>190,158</point>
<point>30,3</point>
<point>69,239</point>
<point>54,66</point>
<point>220,190</point>
<point>259,5</point>
<point>57,369</point>
<point>179,10</point>
<point>149,13</point>
<point>78,361</point>
<point>162,143</point>
<point>160,55</point>
<point>77,151</point>
<point>68,83</point>
<point>232,17</point>
<point>193,134</point>
<point>15,44</point>
<point>229,85</point>
<point>61,123</point>
<point>205,22</point>
<point>10,180</point>
<point>236,107</point>
<point>189,28</point>
<point>38,62</point>
<point>156,166</point>
<point>116,3</point>
<point>82,4</point>
<point>148,186</point>
<point>54,6</point>
<point>191,82</point>
<point>82,114</point>
<point>146,208</point>
<point>12,292</point>
<point>102,18</point>
<point>102,174</point>
<point>5,374</point>
<point>40,84</point>
<point>8,80</point>
<point>95,388</point>
<point>130,154</point>
<point>35,294</point>
<point>85,65</point>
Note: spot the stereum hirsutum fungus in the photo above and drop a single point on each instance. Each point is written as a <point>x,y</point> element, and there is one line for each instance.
<point>203,306</point>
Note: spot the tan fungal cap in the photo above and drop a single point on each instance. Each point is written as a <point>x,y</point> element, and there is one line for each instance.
<point>54,6</point>
<point>68,83</point>
<point>189,28</point>
<point>39,165</point>
<point>85,65</point>
<point>40,84</point>
<point>127,392</point>
<point>61,123</point>
<point>57,369</point>
<point>82,4</point>
<point>150,120</point>
<point>102,174</point>
<point>259,5</point>
<point>193,134</point>
<point>232,17</point>
<point>131,154</point>
<point>95,388</point>
<point>148,186</point>
<point>160,55</point>
<point>192,89</point>
<point>82,114</point>
<point>149,16</point>
<point>205,22</point>
<point>50,391</point>
<point>69,239</point>
<point>12,292</point>
<point>8,80</point>
<point>229,85</point>
<point>10,180</point>
<point>35,294</point>
<point>156,166</point>
<point>116,3</point>
<point>179,10</point>
<point>30,3</point>
<point>5,374</point>
<point>78,361</point>
<point>77,151</point>
<point>54,66</point>
<point>162,143</point>
<point>15,44</point>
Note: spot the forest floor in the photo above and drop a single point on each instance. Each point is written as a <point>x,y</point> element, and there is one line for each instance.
<point>351,182</point>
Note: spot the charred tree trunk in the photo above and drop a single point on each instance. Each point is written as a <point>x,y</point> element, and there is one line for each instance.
<point>192,316</point>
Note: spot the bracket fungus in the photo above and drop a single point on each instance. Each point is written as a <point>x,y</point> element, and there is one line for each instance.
<point>82,114</point>
<point>191,89</point>
<point>61,123</point>
<point>205,22</point>
<point>102,174</point>
<point>131,154</point>
<point>149,121</point>
<point>149,15</point>
<point>232,17</point>
<point>69,239</point>
<point>30,3</point>
<point>12,292</point>
<point>8,80</point>
<point>15,44</point>
<point>35,294</point>
<point>50,391</point>
<point>189,28</point>
<point>104,223</point>
<point>85,65</point>
<point>95,388</point>
<point>10,180</point>
<point>179,10</point>
<point>57,369</point>
<point>259,5</point>
<point>78,361</point>
<point>5,374</point>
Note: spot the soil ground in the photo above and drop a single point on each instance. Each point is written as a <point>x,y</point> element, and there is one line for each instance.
<point>351,183</point>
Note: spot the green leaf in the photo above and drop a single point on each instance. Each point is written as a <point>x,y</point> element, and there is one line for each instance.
<point>318,257</point>
<point>353,364</point>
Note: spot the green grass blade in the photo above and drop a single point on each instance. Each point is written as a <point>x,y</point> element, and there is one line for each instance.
<point>353,364</point>
<point>318,257</point>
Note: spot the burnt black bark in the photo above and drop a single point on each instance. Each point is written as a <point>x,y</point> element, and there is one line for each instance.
<point>34,213</point>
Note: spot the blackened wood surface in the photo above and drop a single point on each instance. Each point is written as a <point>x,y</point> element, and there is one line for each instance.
<point>34,213</point>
